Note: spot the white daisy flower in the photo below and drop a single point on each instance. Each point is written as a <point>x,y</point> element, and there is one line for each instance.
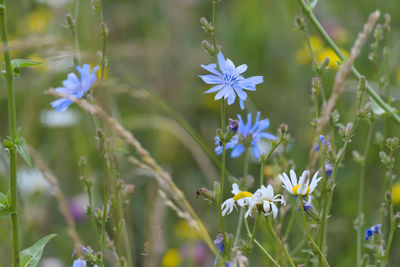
<point>240,197</point>
<point>265,198</point>
<point>303,187</point>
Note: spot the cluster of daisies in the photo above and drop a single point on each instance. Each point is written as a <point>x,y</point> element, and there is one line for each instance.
<point>264,198</point>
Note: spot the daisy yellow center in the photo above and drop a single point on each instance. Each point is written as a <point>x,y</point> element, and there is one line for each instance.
<point>242,195</point>
<point>296,187</point>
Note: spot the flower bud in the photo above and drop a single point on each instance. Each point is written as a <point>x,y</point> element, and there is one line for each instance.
<point>206,26</point>
<point>357,157</point>
<point>95,4</point>
<point>323,66</point>
<point>316,86</point>
<point>70,21</point>
<point>388,198</point>
<point>299,23</point>
<point>208,47</point>
<point>82,162</point>
<point>206,193</point>
<point>378,32</point>
<point>392,143</point>
<point>104,29</point>
<point>384,158</point>
<point>397,219</point>
<point>349,126</point>
<point>361,83</point>
<point>233,125</point>
<point>335,117</point>
<point>386,26</point>
<point>283,127</point>
<point>379,138</point>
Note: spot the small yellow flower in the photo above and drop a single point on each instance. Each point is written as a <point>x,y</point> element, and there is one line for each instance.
<point>172,258</point>
<point>396,193</point>
<point>334,60</point>
<point>303,56</point>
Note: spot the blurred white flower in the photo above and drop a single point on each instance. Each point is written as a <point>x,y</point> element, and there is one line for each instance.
<point>52,118</point>
<point>31,180</point>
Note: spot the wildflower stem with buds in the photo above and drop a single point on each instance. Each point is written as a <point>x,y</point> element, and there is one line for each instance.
<point>392,224</point>
<point>12,131</point>
<point>245,173</point>
<point>308,12</point>
<point>361,194</point>
<point>308,233</point>
<point>278,240</point>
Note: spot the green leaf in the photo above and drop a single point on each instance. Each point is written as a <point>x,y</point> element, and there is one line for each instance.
<point>30,257</point>
<point>4,206</point>
<point>22,149</point>
<point>16,64</point>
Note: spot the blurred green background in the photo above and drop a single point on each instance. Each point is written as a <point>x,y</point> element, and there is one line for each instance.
<point>156,45</point>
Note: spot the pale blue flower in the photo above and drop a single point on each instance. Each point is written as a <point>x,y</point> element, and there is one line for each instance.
<point>75,87</point>
<point>81,263</point>
<point>376,229</point>
<point>248,136</point>
<point>324,142</point>
<point>228,80</point>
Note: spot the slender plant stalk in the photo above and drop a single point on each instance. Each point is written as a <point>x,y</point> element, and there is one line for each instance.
<point>245,174</point>
<point>105,209</point>
<point>258,244</point>
<point>308,11</point>
<point>12,131</point>
<point>391,215</point>
<point>221,189</point>
<point>308,233</point>
<point>361,194</point>
<point>75,32</point>
<point>325,199</point>
<point>278,240</point>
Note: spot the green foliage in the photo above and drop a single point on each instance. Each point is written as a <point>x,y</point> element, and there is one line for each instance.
<point>30,257</point>
<point>4,205</point>
<point>16,64</point>
<point>19,144</point>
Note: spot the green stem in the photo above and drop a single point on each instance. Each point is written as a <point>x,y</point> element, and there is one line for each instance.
<point>258,215</point>
<point>307,10</point>
<point>75,32</point>
<point>278,240</point>
<point>258,244</point>
<point>105,209</point>
<point>245,173</point>
<point>325,201</point>
<point>308,233</point>
<point>214,9</point>
<point>392,224</point>
<point>12,130</point>
<point>361,195</point>
<point>221,189</point>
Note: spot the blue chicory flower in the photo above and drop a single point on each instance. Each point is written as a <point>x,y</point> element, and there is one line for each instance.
<point>228,80</point>
<point>376,229</point>
<point>81,263</point>
<point>324,142</point>
<point>248,136</point>
<point>74,87</point>
<point>219,243</point>
<point>328,169</point>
